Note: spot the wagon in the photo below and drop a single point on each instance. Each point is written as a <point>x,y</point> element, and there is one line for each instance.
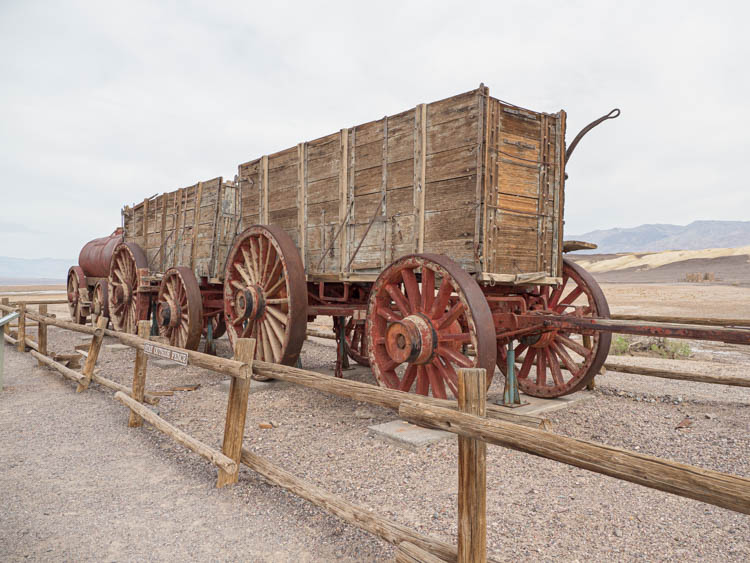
<point>433,237</point>
<point>423,233</point>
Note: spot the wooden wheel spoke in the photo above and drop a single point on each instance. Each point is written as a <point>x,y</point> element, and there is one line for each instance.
<point>387,314</point>
<point>275,271</point>
<point>541,368</point>
<point>273,289</point>
<point>527,362</point>
<point>557,293</point>
<point>460,337</point>
<point>567,361</point>
<point>572,296</point>
<point>436,382</point>
<point>237,284</point>
<point>255,260</point>
<point>448,374</point>
<point>276,328</point>
<point>428,288</point>
<point>274,311</point>
<point>412,289</point>
<point>398,299</point>
<point>269,248</point>
<point>423,383</point>
<point>245,275</point>
<point>409,375</point>
<point>451,316</point>
<point>442,298</point>
<point>267,350</point>
<point>573,345</point>
<point>554,366</point>
<point>448,353</point>
<point>248,264</point>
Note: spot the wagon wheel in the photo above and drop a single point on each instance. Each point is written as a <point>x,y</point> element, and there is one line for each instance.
<point>179,308</point>
<point>555,363</point>
<point>127,305</point>
<point>76,285</point>
<point>265,294</point>
<point>218,326</point>
<point>99,302</point>
<point>355,333</point>
<point>417,331</point>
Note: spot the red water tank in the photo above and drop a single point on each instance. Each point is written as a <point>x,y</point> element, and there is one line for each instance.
<point>96,254</point>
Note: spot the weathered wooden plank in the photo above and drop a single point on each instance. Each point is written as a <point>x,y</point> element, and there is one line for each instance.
<point>472,470</point>
<point>420,177</point>
<point>452,163</point>
<point>234,425</point>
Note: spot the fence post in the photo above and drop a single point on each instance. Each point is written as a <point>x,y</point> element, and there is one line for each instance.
<point>6,327</point>
<point>591,385</point>
<point>139,374</point>
<point>42,332</point>
<point>234,427</point>
<point>96,345</point>
<point>472,471</point>
<point>21,344</point>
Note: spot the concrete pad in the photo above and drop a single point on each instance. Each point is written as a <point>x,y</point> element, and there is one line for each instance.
<point>537,405</point>
<point>116,347</point>
<point>406,435</point>
<point>256,386</point>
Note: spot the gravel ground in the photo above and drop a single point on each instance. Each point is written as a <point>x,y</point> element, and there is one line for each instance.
<point>69,463</point>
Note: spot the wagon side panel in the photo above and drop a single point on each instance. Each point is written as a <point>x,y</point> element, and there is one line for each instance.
<point>453,174</point>
<point>523,193</point>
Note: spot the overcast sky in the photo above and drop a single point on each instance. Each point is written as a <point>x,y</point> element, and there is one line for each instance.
<point>105,103</point>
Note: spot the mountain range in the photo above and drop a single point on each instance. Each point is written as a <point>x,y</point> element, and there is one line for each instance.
<point>654,238</point>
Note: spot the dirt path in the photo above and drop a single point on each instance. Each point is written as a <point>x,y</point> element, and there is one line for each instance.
<point>76,484</point>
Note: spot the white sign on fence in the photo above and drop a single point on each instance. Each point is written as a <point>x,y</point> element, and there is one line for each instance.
<point>165,353</point>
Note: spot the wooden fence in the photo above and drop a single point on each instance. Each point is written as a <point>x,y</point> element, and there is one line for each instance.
<point>474,422</point>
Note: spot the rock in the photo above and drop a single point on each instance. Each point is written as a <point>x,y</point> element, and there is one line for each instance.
<point>618,533</point>
<point>709,416</point>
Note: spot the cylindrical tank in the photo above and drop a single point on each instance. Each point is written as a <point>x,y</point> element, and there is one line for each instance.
<point>96,254</point>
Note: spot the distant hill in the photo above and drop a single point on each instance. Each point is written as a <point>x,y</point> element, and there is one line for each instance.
<point>35,268</point>
<point>655,238</point>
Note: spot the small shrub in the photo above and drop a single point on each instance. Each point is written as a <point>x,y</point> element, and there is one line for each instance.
<point>619,346</point>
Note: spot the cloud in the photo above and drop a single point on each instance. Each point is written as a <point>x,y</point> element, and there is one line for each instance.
<point>103,104</point>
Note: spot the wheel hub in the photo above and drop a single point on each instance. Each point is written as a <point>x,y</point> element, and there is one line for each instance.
<point>412,339</point>
<point>250,303</point>
<point>167,316</point>
<point>121,295</point>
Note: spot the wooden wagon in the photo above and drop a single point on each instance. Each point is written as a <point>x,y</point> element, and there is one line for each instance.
<point>426,230</point>
<point>433,237</point>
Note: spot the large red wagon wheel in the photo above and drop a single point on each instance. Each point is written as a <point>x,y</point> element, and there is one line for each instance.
<point>557,363</point>
<point>355,333</point>
<point>179,309</point>
<point>415,335</point>
<point>77,285</point>
<point>265,294</point>
<point>127,304</point>
<point>99,302</point>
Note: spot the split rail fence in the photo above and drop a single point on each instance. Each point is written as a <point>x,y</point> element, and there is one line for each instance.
<point>474,422</point>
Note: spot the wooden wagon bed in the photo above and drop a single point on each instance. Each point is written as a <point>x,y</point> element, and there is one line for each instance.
<point>471,177</point>
<point>174,234</point>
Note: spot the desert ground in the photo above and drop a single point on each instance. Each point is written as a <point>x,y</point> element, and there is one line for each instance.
<point>77,484</point>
